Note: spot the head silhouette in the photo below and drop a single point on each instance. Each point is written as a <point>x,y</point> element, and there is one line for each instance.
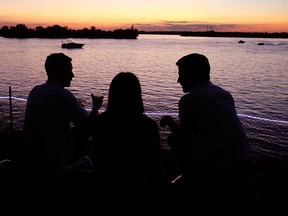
<point>125,94</point>
<point>58,66</point>
<point>193,69</point>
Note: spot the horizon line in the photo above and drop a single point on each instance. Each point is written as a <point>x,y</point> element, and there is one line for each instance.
<point>153,31</point>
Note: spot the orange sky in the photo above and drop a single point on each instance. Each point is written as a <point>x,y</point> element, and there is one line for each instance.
<point>150,15</point>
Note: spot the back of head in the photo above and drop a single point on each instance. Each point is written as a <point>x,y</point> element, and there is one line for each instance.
<point>55,64</point>
<point>125,94</point>
<point>196,66</point>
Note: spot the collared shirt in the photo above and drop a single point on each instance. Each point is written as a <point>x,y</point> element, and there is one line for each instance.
<point>50,110</point>
<point>210,128</point>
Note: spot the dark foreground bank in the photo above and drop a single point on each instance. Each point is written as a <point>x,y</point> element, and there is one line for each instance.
<point>266,179</point>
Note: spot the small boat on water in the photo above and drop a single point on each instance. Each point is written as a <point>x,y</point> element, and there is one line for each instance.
<point>241,41</point>
<point>71,45</point>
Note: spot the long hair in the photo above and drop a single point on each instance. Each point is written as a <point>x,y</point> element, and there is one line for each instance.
<point>125,94</point>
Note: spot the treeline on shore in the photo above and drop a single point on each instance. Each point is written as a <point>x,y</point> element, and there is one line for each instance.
<point>221,34</point>
<point>57,31</point>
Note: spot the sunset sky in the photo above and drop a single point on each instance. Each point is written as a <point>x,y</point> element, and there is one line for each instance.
<point>150,15</point>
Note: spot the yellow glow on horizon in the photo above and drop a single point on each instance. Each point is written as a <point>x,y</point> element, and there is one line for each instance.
<point>111,14</point>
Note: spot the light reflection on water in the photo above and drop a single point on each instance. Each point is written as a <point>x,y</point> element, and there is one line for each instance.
<point>255,75</point>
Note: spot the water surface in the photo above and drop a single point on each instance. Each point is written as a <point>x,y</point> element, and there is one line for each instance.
<point>257,76</point>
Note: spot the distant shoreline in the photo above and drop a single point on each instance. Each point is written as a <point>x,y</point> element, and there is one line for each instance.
<point>57,31</point>
<point>220,34</point>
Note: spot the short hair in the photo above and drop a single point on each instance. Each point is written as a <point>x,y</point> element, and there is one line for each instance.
<point>55,63</point>
<point>197,64</point>
<point>125,94</point>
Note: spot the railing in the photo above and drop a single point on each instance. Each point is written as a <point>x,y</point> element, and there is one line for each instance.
<point>12,111</point>
<point>267,136</point>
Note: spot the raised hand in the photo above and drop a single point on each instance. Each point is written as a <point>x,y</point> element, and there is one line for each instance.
<point>168,121</point>
<point>97,102</point>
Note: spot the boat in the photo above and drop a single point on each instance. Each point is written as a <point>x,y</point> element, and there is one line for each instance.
<point>71,45</point>
<point>241,41</point>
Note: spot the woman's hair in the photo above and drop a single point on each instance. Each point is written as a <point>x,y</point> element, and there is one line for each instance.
<point>125,94</point>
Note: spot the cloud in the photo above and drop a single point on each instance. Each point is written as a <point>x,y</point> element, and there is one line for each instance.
<point>166,25</point>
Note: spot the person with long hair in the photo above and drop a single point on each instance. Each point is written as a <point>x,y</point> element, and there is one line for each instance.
<point>125,141</point>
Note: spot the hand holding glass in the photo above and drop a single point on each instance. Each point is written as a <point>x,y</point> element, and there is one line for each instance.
<point>97,101</point>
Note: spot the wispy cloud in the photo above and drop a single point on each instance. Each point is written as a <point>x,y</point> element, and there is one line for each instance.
<point>166,25</point>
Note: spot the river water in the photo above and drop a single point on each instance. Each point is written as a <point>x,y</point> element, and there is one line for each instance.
<point>256,76</point>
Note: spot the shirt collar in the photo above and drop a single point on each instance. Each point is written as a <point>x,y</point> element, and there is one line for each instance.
<point>52,82</point>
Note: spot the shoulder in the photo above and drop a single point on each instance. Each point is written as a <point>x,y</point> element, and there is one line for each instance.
<point>190,98</point>
<point>218,88</point>
<point>149,121</point>
<point>102,120</point>
<point>67,95</point>
<point>198,91</point>
<point>142,119</point>
<point>37,88</point>
<point>54,86</point>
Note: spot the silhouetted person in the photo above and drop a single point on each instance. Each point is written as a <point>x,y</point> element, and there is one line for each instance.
<point>51,110</point>
<point>209,140</point>
<point>125,141</point>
